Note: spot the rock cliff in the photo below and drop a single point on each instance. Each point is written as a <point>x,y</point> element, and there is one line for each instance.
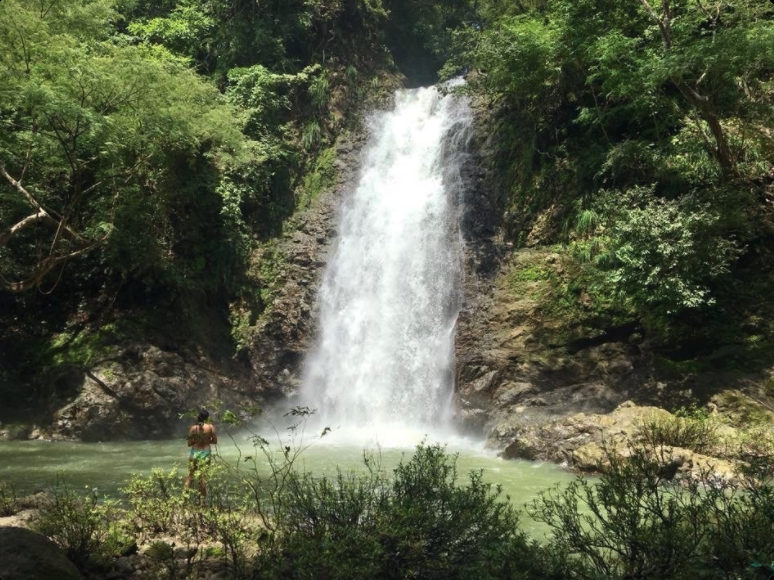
<point>284,332</point>
<point>537,344</point>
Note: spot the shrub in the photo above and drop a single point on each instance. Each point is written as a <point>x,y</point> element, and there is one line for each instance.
<point>632,523</point>
<point>162,507</point>
<point>231,521</point>
<point>664,254</point>
<point>696,433</point>
<point>8,499</point>
<point>420,523</point>
<point>89,529</point>
<point>755,451</point>
<point>157,502</point>
<point>423,521</point>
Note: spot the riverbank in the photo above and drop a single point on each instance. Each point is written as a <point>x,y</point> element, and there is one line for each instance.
<point>425,518</point>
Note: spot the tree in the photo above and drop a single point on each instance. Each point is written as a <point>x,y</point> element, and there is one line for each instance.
<point>88,125</point>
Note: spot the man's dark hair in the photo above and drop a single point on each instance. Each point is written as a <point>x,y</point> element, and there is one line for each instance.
<point>204,414</point>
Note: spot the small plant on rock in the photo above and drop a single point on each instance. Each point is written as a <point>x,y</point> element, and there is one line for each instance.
<point>8,499</point>
<point>695,432</point>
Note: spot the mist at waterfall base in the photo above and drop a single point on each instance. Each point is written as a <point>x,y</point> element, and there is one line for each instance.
<point>382,370</point>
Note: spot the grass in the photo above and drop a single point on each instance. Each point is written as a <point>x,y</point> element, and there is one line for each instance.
<point>321,177</point>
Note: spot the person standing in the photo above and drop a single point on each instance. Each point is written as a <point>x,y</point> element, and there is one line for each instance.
<point>201,437</point>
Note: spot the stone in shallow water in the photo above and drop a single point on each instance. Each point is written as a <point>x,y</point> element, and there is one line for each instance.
<point>26,555</point>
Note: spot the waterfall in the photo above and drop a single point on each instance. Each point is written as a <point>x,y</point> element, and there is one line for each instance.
<point>383,365</point>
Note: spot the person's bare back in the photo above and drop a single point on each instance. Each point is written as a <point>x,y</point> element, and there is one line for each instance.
<point>201,436</point>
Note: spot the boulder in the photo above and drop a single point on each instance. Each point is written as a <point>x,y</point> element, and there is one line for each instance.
<point>21,519</point>
<point>590,457</point>
<point>26,555</point>
<point>15,432</point>
<point>142,381</point>
<point>674,462</point>
<point>522,448</point>
<point>581,440</point>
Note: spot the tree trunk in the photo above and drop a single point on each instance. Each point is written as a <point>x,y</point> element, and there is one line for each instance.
<point>722,151</point>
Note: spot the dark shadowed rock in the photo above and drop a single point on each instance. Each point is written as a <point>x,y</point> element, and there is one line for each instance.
<point>26,555</point>
<point>284,333</point>
<point>139,393</point>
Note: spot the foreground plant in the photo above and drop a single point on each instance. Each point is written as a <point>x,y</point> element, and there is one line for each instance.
<point>637,521</point>
<point>266,519</point>
<point>91,530</point>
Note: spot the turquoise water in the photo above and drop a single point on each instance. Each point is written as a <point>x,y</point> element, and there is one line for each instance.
<point>35,465</point>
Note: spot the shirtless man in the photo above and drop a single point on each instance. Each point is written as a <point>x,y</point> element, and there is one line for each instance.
<point>200,437</point>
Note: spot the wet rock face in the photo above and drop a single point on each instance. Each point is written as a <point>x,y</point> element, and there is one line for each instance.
<point>509,364</point>
<point>26,555</point>
<point>510,361</point>
<point>285,332</point>
<point>542,354</point>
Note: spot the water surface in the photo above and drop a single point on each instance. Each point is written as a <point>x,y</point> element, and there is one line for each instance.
<point>34,465</point>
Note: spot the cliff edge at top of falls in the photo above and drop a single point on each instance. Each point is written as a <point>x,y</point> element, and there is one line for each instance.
<point>540,345</point>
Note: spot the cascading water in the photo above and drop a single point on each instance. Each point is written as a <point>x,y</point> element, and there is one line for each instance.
<point>383,366</point>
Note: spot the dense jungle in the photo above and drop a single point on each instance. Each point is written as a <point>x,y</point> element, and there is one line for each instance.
<point>177,183</point>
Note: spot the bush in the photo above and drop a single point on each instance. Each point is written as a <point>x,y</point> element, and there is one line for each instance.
<point>157,502</point>
<point>664,254</point>
<point>90,530</point>
<point>162,507</point>
<point>632,523</point>
<point>422,521</point>
<point>755,451</point>
<point>418,524</point>
<point>696,433</point>
<point>8,499</point>
<point>231,521</point>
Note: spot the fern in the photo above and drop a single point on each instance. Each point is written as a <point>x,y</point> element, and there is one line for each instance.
<point>311,135</point>
<point>319,90</point>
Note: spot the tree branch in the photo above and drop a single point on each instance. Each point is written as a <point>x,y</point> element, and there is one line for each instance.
<point>30,219</point>
<point>40,208</point>
<point>664,23</point>
<point>27,195</point>
<point>24,46</point>
<point>46,265</point>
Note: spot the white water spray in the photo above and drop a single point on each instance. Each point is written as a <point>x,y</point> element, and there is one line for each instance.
<point>383,367</point>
